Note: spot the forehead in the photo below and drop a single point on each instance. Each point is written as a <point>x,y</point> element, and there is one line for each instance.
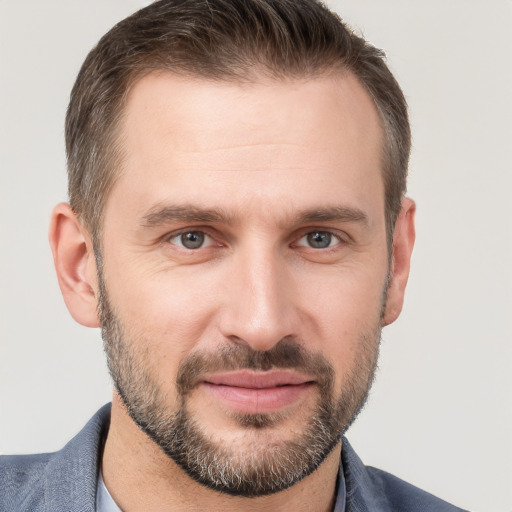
<point>276,140</point>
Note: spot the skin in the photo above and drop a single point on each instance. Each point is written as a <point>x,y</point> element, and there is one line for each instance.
<point>265,154</point>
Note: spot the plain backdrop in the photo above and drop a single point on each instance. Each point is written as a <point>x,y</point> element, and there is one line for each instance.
<point>440,412</point>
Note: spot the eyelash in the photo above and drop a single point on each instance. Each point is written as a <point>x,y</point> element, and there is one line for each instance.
<point>176,235</point>
<point>333,235</point>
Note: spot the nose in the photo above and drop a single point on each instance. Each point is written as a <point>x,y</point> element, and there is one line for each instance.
<point>259,300</point>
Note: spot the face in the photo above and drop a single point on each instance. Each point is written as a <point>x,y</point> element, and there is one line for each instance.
<point>244,271</point>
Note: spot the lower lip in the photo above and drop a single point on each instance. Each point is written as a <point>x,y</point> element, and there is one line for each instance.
<point>260,400</point>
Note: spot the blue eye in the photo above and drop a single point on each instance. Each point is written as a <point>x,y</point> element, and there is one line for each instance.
<point>319,240</point>
<point>191,239</point>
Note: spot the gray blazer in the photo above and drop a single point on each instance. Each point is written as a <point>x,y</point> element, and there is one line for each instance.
<point>65,481</point>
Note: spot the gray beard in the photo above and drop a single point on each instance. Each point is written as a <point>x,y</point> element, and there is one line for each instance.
<point>260,465</point>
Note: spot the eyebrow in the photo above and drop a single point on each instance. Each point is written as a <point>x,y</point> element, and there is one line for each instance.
<point>187,213</point>
<point>162,215</point>
<point>332,214</point>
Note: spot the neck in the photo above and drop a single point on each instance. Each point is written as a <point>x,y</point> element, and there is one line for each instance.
<point>139,476</point>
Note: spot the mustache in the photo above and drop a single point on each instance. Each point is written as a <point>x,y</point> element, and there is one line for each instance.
<point>286,354</point>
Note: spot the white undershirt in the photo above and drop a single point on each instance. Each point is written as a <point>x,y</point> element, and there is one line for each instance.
<point>104,502</point>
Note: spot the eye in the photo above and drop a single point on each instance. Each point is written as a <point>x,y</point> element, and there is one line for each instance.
<point>191,239</point>
<point>319,240</point>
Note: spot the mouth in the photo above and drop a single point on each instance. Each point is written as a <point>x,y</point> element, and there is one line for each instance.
<point>252,392</point>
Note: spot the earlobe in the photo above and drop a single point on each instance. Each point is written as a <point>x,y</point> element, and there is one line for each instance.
<point>403,243</point>
<point>75,265</point>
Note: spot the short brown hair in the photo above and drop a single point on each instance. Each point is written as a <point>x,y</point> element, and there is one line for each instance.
<point>231,40</point>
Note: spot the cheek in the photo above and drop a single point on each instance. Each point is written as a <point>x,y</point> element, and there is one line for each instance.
<point>166,308</point>
<point>162,319</point>
<point>343,313</point>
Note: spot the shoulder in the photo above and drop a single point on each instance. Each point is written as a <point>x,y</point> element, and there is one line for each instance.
<point>369,489</point>
<point>59,481</point>
<point>406,497</point>
<point>21,481</point>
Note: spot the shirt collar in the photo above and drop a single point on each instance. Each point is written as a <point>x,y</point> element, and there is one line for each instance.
<point>105,502</point>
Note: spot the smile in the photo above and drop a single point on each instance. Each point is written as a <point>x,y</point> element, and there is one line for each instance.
<point>257,392</point>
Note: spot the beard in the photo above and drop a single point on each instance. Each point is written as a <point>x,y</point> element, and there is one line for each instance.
<point>257,463</point>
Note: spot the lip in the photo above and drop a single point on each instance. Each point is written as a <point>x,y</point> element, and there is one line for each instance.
<point>257,392</point>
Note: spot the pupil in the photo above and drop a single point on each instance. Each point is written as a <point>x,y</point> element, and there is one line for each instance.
<point>192,240</point>
<point>319,239</point>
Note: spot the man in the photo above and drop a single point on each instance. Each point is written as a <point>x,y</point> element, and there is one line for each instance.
<point>238,228</point>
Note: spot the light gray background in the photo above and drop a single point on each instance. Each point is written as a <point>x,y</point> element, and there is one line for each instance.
<point>440,412</point>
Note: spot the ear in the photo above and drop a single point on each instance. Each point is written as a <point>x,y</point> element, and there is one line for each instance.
<point>75,264</point>
<point>403,243</point>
